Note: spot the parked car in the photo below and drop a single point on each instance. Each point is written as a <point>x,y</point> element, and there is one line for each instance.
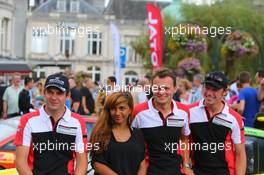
<point>7,148</point>
<point>255,150</point>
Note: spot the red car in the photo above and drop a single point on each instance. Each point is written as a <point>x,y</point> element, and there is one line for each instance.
<point>7,148</point>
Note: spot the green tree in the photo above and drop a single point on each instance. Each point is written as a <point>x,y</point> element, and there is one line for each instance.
<point>237,14</point>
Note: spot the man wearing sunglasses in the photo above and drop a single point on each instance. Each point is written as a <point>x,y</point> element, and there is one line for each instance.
<point>217,131</point>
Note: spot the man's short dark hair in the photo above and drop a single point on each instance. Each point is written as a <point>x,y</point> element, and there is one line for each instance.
<point>163,73</point>
<point>261,72</point>
<point>244,77</point>
<point>112,79</point>
<point>27,80</point>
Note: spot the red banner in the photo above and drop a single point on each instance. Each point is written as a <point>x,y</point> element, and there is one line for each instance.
<point>155,34</point>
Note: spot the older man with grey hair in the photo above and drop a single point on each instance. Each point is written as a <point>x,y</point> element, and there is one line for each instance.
<point>196,91</point>
<point>141,91</point>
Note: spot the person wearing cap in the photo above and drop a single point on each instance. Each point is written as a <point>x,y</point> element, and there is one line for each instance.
<point>52,139</point>
<point>217,131</point>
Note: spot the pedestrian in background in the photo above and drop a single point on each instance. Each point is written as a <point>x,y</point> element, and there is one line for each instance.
<point>24,100</point>
<point>10,97</point>
<point>87,103</point>
<point>75,95</point>
<point>184,87</point>
<point>196,91</point>
<point>248,104</point>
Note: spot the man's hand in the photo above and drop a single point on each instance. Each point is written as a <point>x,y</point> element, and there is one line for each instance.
<point>81,164</point>
<point>241,159</point>
<point>21,160</point>
<point>86,111</point>
<point>188,171</point>
<point>93,114</point>
<point>4,116</point>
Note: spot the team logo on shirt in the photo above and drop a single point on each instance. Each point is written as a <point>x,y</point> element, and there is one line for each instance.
<point>67,130</point>
<point>222,122</point>
<point>175,121</point>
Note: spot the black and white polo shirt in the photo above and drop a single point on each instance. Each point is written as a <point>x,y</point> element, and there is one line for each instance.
<point>52,145</point>
<point>162,134</point>
<point>213,139</point>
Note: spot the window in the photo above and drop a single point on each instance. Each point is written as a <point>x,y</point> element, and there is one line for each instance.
<point>94,72</point>
<point>61,5</point>
<point>130,77</point>
<point>67,42</point>
<point>131,53</point>
<point>39,42</point>
<point>39,72</point>
<point>94,43</point>
<point>4,33</point>
<point>75,5</point>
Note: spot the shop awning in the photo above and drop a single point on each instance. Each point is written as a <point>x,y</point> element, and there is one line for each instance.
<point>11,68</point>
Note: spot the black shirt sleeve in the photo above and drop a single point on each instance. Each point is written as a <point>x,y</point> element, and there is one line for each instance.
<point>24,101</point>
<point>75,95</point>
<point>85,92</point>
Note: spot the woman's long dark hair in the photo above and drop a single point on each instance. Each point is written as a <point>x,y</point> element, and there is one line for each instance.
<point>101,132</point>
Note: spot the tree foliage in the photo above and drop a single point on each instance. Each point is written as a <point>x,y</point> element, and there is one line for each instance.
<point>237,14</point>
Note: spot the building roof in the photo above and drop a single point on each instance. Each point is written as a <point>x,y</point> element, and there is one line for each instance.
<point>130,9</point>
<point>51,6</point>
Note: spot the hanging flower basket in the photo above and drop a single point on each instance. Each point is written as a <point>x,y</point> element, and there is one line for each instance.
<point>191,40</point>
<point>239,44</point>
<point>188,67</point>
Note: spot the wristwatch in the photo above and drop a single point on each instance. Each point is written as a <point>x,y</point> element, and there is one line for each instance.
<point>187,165</point>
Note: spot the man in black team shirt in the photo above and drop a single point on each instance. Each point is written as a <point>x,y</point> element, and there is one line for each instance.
<point>164,123</point>
<point>217,131</point>
<point>52,140</point>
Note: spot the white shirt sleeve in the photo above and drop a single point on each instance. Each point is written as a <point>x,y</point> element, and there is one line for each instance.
<point>236,133</point>
<point>186,129</point>
<point>79,141</point>
<point>134,123</point>
<point>27,135</point>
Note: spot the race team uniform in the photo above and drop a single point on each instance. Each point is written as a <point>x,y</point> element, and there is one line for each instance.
<point>160,133</point>
<point>213,139</point>
<point>52,145</point>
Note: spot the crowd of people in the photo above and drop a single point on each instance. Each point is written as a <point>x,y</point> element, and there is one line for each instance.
<point>140,130</point>
<point>87,97</point>
<point>25,95</point>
